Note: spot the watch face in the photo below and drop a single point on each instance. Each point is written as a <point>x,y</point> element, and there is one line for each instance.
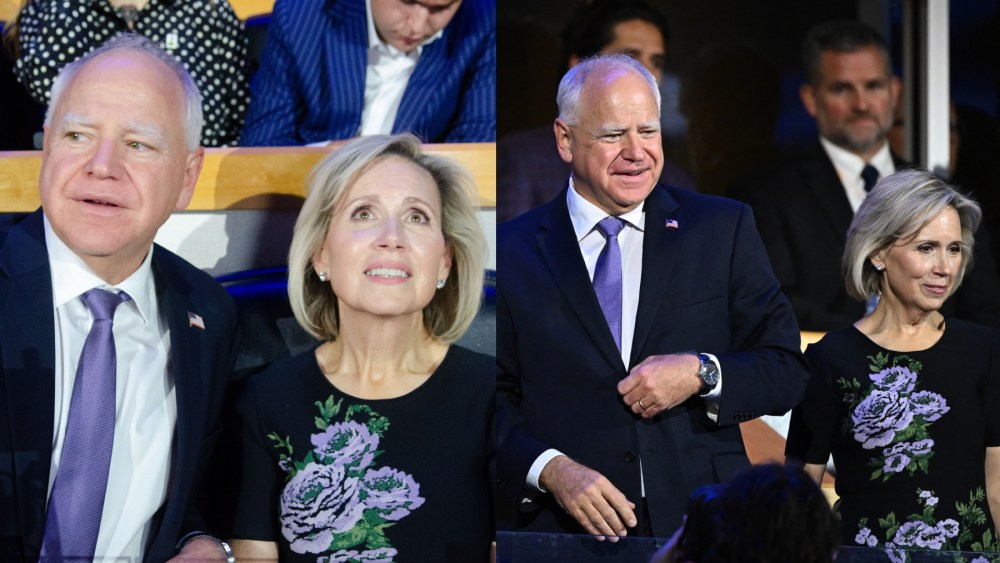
<point>709,372</point>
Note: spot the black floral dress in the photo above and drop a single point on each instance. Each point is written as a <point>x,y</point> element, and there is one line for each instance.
<point>333,478</point>
<point>908,432</point>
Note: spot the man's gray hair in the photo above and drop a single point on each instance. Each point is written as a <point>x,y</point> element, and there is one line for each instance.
<point>193,119</point>
<point>572,82</point>
<point>898,207</point>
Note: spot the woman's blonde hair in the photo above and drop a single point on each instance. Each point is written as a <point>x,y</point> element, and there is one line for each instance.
<point>897,207</point>
<point>453,307</point>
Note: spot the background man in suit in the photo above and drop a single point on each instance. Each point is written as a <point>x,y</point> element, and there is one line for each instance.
<point>608,415</point>
<point>120,154</point>
<point>805,205</point>
<point>334,70</point>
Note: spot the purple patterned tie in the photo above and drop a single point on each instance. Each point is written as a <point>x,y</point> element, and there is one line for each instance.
<point>77,498</point>
<point>608,276</point>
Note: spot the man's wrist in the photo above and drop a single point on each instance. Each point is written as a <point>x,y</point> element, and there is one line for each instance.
<point>224,547</point>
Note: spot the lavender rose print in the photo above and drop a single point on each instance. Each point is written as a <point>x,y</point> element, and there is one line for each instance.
<point>891,416</point>
<point>337,501</point>
<point>923,531</point>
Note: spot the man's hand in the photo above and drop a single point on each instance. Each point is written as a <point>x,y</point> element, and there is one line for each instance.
<point>589,497</point>
<point>660,383</point>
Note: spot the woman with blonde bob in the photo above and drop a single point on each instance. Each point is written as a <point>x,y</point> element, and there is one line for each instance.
<point>905,399</point>
<point>376,445</point>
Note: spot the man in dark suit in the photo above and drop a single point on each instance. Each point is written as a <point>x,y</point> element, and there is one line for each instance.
<point>120,154</point>
<point>804,206</point>
<point>334,69</point>
<point>610,406</point>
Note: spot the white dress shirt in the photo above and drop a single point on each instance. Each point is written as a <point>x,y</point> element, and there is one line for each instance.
<point>386,77</point>
<point>585,216</point>
<point>146,408</point>
<point>849,166</point>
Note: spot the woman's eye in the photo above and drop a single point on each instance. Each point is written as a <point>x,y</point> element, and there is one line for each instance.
<point>362,213</point>
<point>418,217</point>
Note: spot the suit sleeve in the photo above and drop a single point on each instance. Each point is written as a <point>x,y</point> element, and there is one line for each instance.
<point>765,373</point>
<point>476,121</point>
<point>272,117</point>
<point>517,447</point>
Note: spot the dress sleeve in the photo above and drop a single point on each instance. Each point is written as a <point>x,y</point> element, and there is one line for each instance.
<point>991,392</point>
<point>815,419</point>
<point>54,33</point>
<point>260,478</point>
<point>229,43</point>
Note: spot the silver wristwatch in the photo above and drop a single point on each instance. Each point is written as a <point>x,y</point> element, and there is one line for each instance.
<point>709,374</point>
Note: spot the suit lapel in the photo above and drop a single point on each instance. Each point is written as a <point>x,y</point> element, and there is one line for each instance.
<point>659,251</point>
<point>173,293</point>
<point>28,366</point>
<point>822,181</point>
<point>346,58</point>
<point>561,252</point>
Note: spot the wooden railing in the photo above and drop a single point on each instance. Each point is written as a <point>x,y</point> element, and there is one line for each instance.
<point>245,178</point>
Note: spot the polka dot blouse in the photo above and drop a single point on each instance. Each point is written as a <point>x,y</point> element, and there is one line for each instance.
<point>204,35</point>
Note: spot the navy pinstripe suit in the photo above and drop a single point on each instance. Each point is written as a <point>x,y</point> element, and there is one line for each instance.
<point>311,83</point>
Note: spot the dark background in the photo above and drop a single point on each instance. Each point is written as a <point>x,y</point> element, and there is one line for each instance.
<point>530,58</point>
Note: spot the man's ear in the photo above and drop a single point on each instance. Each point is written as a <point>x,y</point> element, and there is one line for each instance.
<point>562,132</point>
<point>808,96</point>
<point>895,88</point>
<point>192,168</point>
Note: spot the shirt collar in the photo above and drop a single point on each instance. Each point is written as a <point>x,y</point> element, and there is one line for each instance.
<point>374,42</point>
<point>850,164</point>
<point>585,215</point>
<point>76,278</point>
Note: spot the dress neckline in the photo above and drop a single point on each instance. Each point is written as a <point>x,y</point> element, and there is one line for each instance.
<point>894,351</point>
<point>418,389</point>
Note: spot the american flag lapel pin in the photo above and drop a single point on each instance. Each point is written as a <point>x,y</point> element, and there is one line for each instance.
<point>671,224</point>
<point>195,320</point>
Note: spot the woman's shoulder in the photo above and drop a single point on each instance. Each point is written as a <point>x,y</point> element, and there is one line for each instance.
<point>468,358</point>
<point>839,341</point>
<point>282,371</point>
<point>968,329</point>
<point>466,368</point>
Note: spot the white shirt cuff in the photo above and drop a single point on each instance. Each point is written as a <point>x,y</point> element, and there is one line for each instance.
<point>714,396</point>
<point>536,468</point>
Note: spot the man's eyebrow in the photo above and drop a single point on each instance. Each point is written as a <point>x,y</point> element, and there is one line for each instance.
<point>72,120</point>
<point>610,129</point>
<point>146,131</point>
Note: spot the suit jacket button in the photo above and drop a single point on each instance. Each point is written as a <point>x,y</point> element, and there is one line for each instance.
<point>630,456</point>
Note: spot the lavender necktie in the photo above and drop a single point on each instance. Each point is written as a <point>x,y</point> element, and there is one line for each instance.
<point>608,276</point>
<point>869,175</point>
<point>77,499</point>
